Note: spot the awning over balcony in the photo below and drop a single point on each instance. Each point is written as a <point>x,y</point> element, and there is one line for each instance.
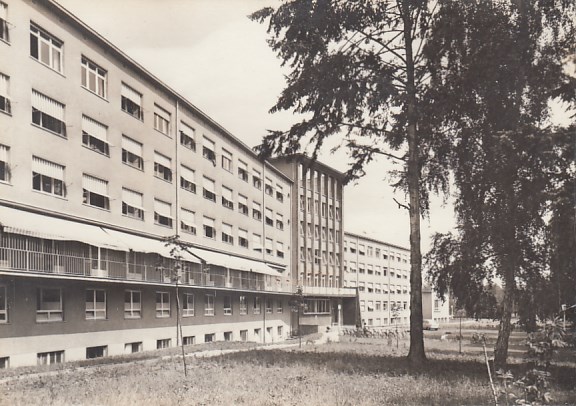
<point>233,262</point>
<point>36,225</point>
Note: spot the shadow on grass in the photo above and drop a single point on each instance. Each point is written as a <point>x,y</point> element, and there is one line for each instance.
<point>387,365</point>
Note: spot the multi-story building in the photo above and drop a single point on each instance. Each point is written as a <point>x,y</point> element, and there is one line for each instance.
<point>317,238</point>
<point>100,161</point>
<point>381,273</point>
<point>433,307</point>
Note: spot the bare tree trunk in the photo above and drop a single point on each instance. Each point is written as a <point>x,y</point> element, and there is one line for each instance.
<point>416,355</point>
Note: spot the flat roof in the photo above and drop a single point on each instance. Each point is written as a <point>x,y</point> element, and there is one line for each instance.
<point>364,237</point>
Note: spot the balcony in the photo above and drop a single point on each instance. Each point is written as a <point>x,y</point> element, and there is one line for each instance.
<point>328,291</point>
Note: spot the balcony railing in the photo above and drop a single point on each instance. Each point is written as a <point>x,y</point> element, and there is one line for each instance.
<point>75,266</point>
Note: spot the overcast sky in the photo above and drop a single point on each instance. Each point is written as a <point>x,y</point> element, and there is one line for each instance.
<point>211,53</point>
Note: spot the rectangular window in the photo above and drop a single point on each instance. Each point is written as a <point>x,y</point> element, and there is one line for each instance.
<point>208,150</point>
<point>46,48</point>
<point>95,304</point>
<point>279,249</point>
<point>269,305</point>
<point>162,304</point>
<point>243,204</point>
<point>95,192</point>
<point>243,335</point>
<point>132,204</point>
<point>48,177</point>
<point>189,340</point>
<point>269,246</point>
<point>243,171</point>
<point>227,234</point>
<point>210,337</point>
<point>257,179</point>
<point>4,33</point>
<point>209,189</point>
<point>3,304</point>
<point>188,305</point>
<point>96,352</point>
<point>48,113</point>
<point>132,153</point>
<point>208,305</point>
<point>227,198</point>
<point>131,102</point>
<point>279,193</point>
<point>256,305</point>
<point>243,238</point>
<point>4,361</point>
<point>49,358</point>
<point>162,213</point>
<point>132,304</point>
<point>268,188</point>
<point>227,305</point>
<point>163,343</point>
<point>5,105</point>
<point>257,242</point>
<point>161,120</point>
<point>93,77</point>
<point>187,136</point>
<point>279,306</point>
<point>226,160</point>
<point>269,218</point>
<point>162,167</point>
<point>257,211</point>
<point>187,179</point>
<point>228,336</point>
<point>243,305</point>
<point>132,348</point>
<point>95,136</point>
<point>279,221</point>
<point>209,229</point>
<point>188,221</point>
<point>49,305</point>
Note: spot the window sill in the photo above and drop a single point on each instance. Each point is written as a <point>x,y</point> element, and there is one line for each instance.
<point>49,131</point>
<point>47,194</point>
<point>132,217</point>
<point>164,134</point>
<point>95,94</point>
<point>133,116</point>
<point>95,150</point>
<point>8,113</point>
<point>162,179</point>
<point>48,66</point>
<point>162,225</point>
<point>132,318</point>
<point>7,42</point>
<point>96,207</point>
<point>132,166</point>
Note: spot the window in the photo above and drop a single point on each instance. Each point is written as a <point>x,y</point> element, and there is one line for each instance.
<point>279,307</point>
<point>227,305</point>
<point>243,305</point>
<point>162,167</point>
<point>269,218</point>
<point>208,150</point>
<point>46,48</point>
<point>279,193</point>
<point>95,136</point>
<point>210,337</point>
<point>5,105</point>
<point>226,160</point>
<point>49,305</point>
<point>257,333</point>
<point>95,304</point>
<point>188,221</point>
<point>49,358</point>
<point>269,306</point>
<point>256,305</point>
<point>189,340</point>
<point>243,335</point>
<point>93,77</point>
<point>208,305</point>
<point>132,204</point>
<point>227,234</point>
<point>4,33</point>
<point>257,211</point>
<point>48,113</point>
<point>279,221</point>
<point>161,120</point>
<point>132,153</point>
<point>257,242</point>
<point>4,361</point>
<point>187,179</point>
<point>209,189</point>
<point>132,348</point>
<point>243,238</point>
<point>243,204</point>
<point>243,171</point>
<point>227,198</point>
<point>162,213</point>
<point>268,188</point>
<point>132,304</point>
<point>269,246</point>
<point>131,102</point>
<point>301,204</point>
<point>188,305</point>
<point>257,179</point>
<point>48,177</point>
<point>96,352</point>
<point>162,304</point>
<point>187,136</point>
<point>320,306</point>
<point>279,249</point>
<point>3,304</point>
<point>163,343</point>
<point>209,229</point>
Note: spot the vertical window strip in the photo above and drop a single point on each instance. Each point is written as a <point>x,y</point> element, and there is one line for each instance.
<point>95,129</point>
<point>47,168</point>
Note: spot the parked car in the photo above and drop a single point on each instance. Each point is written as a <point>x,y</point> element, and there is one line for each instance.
<point>429,324</point>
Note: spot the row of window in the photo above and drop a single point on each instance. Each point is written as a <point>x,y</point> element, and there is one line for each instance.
<point>375,270</point>
<point>319,280</point>
<point>377,306</point>
<point>321,183</point>
<point>50,306</point>
<point>377,288</point>
<point>330,258</point>
<point>323,209</point>
<point>328,233</point>
<point>373,252</point>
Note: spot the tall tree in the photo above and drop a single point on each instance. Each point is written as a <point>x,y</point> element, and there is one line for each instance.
<point>357,71</point>
<point>494,67</point>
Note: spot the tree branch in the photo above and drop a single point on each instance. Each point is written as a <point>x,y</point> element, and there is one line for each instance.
<point>401,205</point>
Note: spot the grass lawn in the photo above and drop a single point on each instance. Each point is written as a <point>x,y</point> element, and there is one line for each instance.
<point>352,372</point>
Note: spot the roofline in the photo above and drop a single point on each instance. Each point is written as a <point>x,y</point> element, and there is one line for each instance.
<point>303,157</point>
<point>146,75</point>
<point>360,236</point>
